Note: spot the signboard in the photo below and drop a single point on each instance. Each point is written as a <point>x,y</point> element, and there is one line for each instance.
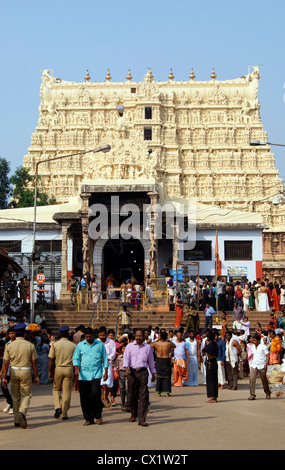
<point>40,278</point>
<point>237,272</point>
<point>175,277</point>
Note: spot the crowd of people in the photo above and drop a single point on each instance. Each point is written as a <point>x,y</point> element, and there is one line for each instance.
<point>222,294</point>
<point>130,290</point>
<point>109,370</point>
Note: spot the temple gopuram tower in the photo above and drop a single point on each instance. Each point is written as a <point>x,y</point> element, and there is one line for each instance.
<point>192,137</point>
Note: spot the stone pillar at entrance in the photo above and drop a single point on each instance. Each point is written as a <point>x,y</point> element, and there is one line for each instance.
<point>175,248</point>
<point>84,214</point>
<point>64,265</point>
<point>153,250</point>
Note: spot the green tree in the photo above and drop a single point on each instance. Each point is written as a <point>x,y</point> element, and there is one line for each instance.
<point>23,191</point>
<point>5,184</point>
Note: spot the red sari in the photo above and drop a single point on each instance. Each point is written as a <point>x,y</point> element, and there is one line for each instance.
<point>179,312</point>
<point>269,295</point>
<point>276,300</point>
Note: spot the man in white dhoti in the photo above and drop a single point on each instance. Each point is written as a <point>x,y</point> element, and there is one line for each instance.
<point>193,346</point>
<point>263,303</point>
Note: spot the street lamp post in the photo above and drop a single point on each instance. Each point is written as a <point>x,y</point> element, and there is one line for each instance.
<point>104,149</point>
<point>256,143</point>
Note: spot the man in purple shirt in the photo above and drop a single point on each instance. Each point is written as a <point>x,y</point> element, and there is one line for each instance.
<point>138,357</point>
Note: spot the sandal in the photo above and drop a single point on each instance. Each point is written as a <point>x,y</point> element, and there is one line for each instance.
<point>107,403</point>
<point>99,421</point>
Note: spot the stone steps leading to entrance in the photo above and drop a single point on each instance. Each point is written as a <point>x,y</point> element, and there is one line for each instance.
<point>140,318</point>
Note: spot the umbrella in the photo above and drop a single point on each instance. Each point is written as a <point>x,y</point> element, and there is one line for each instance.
<point>126,304</point>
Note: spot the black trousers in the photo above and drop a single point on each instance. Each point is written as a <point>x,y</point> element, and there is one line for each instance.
<point>212,378</point>
<point>139,395</point>
<point>221,302</point>
<point>6,393</point>
<point>124,392</point>
<point>90,399</point>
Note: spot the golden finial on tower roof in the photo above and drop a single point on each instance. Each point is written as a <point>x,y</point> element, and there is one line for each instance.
<point>108,76</point>
<point>192,75</point>
<point>87,76</point>
<point>129,77</point>
<point>213,76</point>
<point>148,75</point>
<point>171,76</point>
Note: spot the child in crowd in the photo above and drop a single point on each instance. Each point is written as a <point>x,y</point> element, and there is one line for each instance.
<point>123,384</point>
<point>115,370</point>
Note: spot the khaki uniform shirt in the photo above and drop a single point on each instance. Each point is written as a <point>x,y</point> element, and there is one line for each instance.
<point>62,351</point>
<point>20,353</point>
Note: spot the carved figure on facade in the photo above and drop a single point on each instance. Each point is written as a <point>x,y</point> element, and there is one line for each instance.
<point>184,99</point>
<point>216,96</point>
<point>148,89</point>
<point>245,111</point>
<point>196,98</point>
<point>36,139</point>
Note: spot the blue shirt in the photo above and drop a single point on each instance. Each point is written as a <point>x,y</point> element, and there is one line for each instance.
<point>222,350</point>
<point>209,312</point>
<point>91,358</point>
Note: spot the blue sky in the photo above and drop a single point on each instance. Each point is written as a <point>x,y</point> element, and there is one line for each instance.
<point>71,36</point>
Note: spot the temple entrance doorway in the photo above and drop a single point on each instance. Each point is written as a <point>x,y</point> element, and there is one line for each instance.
<point>124,259</point>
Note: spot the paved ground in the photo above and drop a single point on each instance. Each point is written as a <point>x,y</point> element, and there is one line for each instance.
<point>181,422</point>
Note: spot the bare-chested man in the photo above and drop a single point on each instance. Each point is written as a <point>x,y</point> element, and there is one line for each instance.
<point>163,348</point>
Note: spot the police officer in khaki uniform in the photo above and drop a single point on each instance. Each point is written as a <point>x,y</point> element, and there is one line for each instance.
<point>61,372</point>
<point>22,357</point>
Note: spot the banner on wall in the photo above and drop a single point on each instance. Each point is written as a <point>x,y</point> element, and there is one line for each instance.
<point>237,272</point>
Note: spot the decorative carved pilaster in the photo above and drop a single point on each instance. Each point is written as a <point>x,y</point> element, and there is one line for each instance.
<point>64,230</point>
<point>175,248</point>
<point>84,215</point>
<point>153,250</point>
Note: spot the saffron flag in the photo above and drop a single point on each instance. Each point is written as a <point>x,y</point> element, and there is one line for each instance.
<point>218,264</point>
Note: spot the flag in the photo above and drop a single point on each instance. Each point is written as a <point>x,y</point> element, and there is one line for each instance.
<point>218,264</point>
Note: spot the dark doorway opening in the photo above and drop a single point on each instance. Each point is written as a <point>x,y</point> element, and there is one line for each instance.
<point>124,259</point>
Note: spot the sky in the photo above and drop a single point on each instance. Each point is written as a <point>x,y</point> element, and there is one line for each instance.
<point>69,37</point>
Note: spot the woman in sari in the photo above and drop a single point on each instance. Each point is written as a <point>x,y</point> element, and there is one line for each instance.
<point>246,295</point>
<point>193,319</point>
<point>275,348</point>
<point>276,298</point>
<point>179,310</point>
<point>225,321</point>
<point>94,290</point>
<point>251,304</point>
<point>272,322</point>
<point>249,351</point>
